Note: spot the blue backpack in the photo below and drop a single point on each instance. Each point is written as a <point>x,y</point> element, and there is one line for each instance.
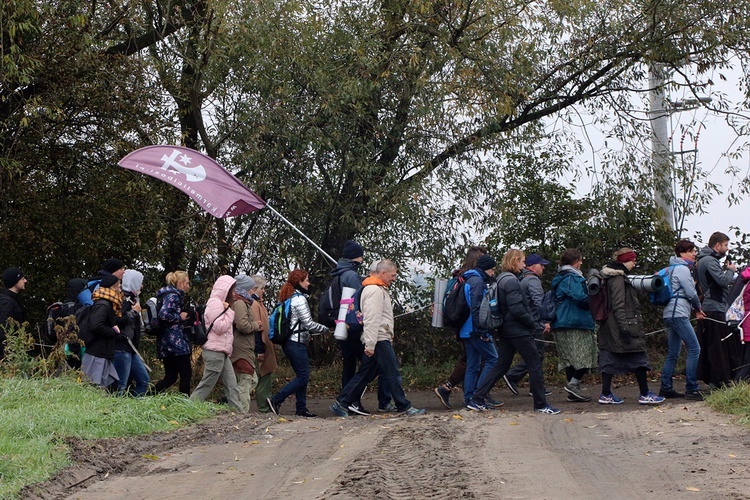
<point>280,322</point>
<point>664,294</point>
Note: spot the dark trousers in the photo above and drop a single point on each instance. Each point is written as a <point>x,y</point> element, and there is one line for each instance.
<point>720,356</point>
<point>507,348</point>
<point>518,371</point>
<point>352,352</point>
<point>175,366</point>
<point>383,362</point>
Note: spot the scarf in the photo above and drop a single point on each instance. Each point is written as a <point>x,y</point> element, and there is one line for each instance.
<point>372,280</point>
<point>572,269</point>
<point>244,295</point>
<point>113,296</point>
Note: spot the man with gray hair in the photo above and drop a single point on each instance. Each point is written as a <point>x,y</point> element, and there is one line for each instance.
<point>377,337</point>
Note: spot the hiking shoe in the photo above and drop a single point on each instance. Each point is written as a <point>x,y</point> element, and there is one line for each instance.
<point>274,407</point>
<point>651,399</point>
<point>670,394</point>
<point>475,405</point>
<point>338,410</point>
<point>575,391</point>
<point>694,396</point>
<point>491,402</point>
<point>547,410</point>
<point>573,399</point>
<point>306,413</point>
<point>411,411</point>
<point>511,385</point>
<point>389,408</point>
<point>609,400</point>
<point>443,394</point>
<point>358,409</point>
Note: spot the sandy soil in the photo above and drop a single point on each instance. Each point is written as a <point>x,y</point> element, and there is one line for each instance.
<point>677,450</point>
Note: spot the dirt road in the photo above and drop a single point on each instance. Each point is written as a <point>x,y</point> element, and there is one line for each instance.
<point>677,450</point>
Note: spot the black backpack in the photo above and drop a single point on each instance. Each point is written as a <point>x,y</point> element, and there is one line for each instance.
<point>328,305</point>
<point>455,308</point>
<point>83,320</point>
<point>58,315</point>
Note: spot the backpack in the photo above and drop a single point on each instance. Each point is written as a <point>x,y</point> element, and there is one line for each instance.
<point>455,307</point>
<point>83,321</point>
<point>662,296</point>
<point>155,325</point>
<point>599,301</point>
<point>490,315</point>
<point>736,313</point>
<point>329,302</point>
<point>280,322</point>
<point>58,314</point>
<point>548,307</point>
<point>196,332</point>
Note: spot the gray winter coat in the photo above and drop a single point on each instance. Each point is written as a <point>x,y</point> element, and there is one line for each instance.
<point>714,281</point>
<point>532,288</point>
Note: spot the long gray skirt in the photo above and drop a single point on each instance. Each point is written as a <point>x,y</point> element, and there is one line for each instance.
<point>616,363</point>
<point>100,371</point>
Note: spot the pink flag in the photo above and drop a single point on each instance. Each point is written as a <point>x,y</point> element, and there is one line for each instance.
<point>213,188</point>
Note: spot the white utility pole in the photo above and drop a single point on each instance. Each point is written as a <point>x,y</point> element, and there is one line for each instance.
<point>661,159</point>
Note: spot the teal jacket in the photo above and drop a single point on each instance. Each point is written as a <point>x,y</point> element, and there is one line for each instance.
<point>572,297</point>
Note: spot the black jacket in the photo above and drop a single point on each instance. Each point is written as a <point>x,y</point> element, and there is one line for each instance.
<point>517,318</point>
<point>101,324</point>
<point>10,307</point>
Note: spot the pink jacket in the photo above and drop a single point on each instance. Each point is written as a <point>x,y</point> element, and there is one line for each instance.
<point>220,338</point>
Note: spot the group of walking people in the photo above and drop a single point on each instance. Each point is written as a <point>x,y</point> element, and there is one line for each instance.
<point>239,352</point>
<point>614,344</point>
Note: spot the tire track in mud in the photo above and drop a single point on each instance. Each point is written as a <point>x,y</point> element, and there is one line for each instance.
<point>413,459</point>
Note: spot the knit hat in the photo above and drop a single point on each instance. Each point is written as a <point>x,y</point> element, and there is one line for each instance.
<point>112,265</point>
<point>11,276</point>
<point>244,282</point>
<point>625,254</point>
<point>352,250</point>
<point>485,262</point>
<point>132,280</point>
<point>109,281</point>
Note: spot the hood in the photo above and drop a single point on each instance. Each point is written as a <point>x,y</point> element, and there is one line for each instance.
<point>610,270</point>
<point>132,281</point>
<point>344,265</point>
<point>220,290</point>
<point>168,289</point>
<point>73,288</point>
<point>678,261</point>
<point>706,252</point>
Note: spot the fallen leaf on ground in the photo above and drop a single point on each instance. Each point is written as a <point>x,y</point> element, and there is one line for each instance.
<point>692,488</point>
<point>458,417</point>
<point>567,419</point>
<point>150,457</point>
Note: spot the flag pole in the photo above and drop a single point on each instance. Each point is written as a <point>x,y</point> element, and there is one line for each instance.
<point>301,233</point>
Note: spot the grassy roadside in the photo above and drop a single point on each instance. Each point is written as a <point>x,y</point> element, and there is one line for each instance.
<point>36,415</point>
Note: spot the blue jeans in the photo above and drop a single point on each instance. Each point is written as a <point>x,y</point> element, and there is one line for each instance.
<point>384,363</point>
<point>680,330</point>
<point>129,365</point>
<point>477,351</point>
<point>296,353</point>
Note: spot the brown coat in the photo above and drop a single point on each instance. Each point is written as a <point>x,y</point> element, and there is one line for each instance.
<point>269,363</point>
<point>245,326</point>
